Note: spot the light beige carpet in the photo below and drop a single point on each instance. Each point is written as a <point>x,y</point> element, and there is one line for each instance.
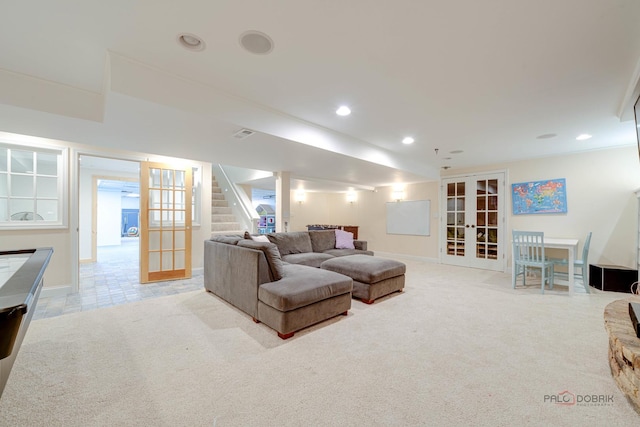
<point>459,347</point>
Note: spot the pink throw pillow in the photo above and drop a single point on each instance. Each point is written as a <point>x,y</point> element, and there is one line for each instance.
<point>344,240</point>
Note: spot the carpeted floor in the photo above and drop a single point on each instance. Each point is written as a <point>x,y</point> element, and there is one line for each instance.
<point>459,347</point>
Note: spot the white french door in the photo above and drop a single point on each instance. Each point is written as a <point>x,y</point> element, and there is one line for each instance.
<point>473,221</point>
<point>165,222</point>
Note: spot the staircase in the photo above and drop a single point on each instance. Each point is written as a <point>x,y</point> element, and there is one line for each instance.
<point>223,221</point>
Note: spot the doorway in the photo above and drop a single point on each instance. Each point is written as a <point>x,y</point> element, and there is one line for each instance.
<point>108,191</point>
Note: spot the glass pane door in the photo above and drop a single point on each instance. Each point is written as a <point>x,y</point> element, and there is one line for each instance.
<point>473,221</point>
<point>486,219</point>
<point>165,223</point>
<point>456,199</point>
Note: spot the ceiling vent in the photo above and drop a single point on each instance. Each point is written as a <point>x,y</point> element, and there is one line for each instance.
<point>243,133</point>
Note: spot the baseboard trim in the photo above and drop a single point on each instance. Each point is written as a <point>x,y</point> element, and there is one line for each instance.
<point>55,291</point>
<point>409,257</point>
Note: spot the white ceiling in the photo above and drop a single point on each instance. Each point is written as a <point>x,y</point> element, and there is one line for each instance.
<point>484,77</point>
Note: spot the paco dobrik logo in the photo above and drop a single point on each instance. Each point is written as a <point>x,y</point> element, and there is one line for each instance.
<point>566,398</point>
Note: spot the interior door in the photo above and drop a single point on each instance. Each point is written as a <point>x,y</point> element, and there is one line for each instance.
<point>165,222</point>
<point>473,225</point>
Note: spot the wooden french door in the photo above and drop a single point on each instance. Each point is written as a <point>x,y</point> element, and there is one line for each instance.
<point>165,222</point>
<point>473,221</point>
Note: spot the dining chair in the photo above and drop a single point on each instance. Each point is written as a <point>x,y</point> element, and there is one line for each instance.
<point>579,264</point>
<point>528,252</point>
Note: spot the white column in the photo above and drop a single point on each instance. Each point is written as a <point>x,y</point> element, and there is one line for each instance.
<point>283,201</point>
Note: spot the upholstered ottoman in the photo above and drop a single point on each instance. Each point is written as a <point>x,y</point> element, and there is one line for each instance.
<point>373,277</point>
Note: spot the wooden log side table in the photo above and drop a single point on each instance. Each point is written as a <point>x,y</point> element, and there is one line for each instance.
<point>624,349</point>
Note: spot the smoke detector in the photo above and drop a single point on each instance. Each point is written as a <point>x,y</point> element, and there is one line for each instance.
<point>243,133</point>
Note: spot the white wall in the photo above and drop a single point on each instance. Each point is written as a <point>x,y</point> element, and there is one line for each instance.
<point>368,212</point>
<point>600,199</point>
<point>130,202</point>
<point>109,218</point>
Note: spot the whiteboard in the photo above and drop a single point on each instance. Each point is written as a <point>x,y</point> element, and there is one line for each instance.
<point>408,217</point>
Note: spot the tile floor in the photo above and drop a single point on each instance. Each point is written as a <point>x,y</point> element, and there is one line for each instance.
<point>112,280</point>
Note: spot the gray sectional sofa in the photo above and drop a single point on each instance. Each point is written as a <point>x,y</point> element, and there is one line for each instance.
<point>312,248</point>
<point>273,282</point>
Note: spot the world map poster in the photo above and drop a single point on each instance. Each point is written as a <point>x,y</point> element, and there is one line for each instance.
<point>539,197</point>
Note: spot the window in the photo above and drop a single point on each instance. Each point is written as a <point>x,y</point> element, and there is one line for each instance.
<point>32,187</point>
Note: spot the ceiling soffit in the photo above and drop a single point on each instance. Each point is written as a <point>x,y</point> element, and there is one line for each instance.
<point>132,78</point>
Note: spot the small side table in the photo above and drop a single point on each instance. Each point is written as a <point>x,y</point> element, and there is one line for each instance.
<point>614,278</point>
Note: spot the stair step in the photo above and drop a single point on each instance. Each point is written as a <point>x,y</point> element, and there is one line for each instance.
<point>216,190</point>
<point>228,233</point>
<point>221,210</point>
<point>217,196</point>
<point>219,204</point>
<point>214,183</point>
<point>225,226</point>
<point>219,218</point>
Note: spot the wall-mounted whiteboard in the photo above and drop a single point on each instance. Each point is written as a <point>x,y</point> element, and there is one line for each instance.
<point>408,217</point>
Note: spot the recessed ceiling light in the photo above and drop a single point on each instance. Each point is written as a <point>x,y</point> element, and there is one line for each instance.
<point>191,42</point>
<point>583,137</point>
<point>408,140</point>
<point>343,111</point>
<point>256,42</point>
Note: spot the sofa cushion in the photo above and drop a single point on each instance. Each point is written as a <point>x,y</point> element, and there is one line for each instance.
<point>321,240</point>
<point>344,239</point>
<point>228,239</point>
<point>311,259</point>
<point>302,286</point>
<point>366,269</point>
<point>276,268</point>
<point>346,252</point>
<point>295,242</point>
<point>260,238</point>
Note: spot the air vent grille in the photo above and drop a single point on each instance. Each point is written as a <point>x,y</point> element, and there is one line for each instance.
<point>243,133</point>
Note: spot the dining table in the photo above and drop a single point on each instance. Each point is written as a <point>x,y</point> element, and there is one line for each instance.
<point>570,245</point>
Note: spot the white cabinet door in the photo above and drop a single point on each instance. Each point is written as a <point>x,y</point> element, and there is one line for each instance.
<point>473,221</point>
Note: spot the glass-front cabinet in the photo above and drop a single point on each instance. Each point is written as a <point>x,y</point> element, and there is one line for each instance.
<point>474,221</point>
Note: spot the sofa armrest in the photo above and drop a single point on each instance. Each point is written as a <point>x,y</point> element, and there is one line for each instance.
<point>235,274</point>
<point>360,244</point>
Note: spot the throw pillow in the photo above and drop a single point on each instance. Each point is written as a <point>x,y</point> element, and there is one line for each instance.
<point>260,239</point>
<point>322,240</point>
<point>344,240</point>
<point>276,267</point>
<point>293,242</point>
